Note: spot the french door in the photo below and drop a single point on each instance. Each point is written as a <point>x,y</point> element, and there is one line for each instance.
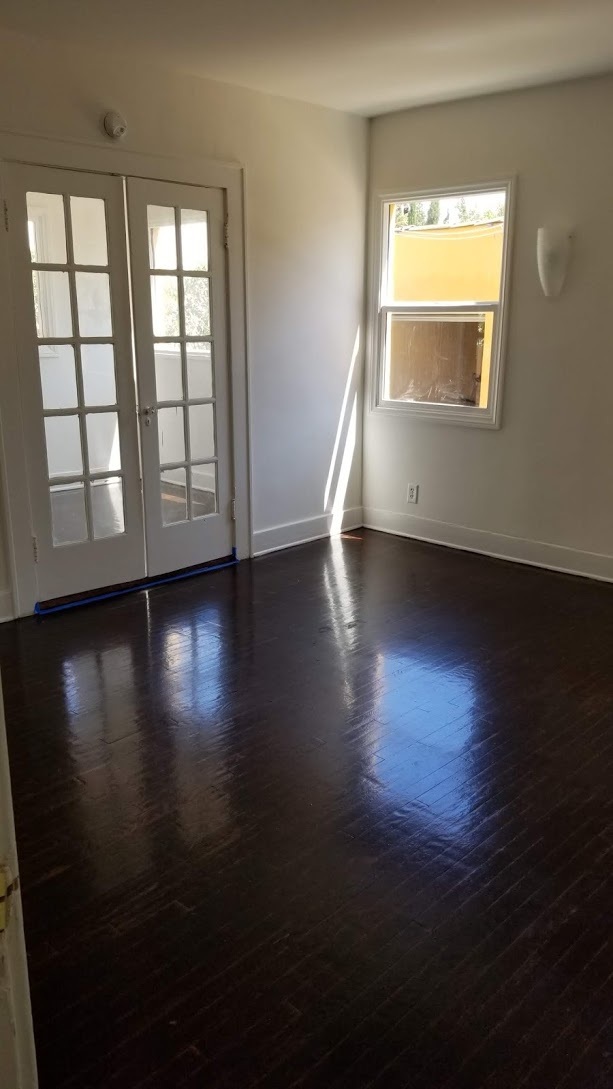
<point>128,458</point>
<point>180,334</point>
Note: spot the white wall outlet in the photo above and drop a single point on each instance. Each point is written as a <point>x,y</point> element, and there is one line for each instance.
<point>412,493</point>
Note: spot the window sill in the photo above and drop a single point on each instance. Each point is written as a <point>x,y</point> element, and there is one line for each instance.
<point>451,414</point>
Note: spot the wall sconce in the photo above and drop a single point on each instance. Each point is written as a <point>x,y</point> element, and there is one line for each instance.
<point>552,255</point>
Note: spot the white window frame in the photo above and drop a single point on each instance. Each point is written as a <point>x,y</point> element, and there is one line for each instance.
<point>380,309</point>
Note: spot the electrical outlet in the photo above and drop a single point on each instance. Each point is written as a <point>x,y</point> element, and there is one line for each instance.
<point>412,493</point>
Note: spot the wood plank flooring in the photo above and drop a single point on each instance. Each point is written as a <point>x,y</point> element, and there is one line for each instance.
<point>339,818</point>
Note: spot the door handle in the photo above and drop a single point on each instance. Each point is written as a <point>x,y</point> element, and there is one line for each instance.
<point>147,413</point>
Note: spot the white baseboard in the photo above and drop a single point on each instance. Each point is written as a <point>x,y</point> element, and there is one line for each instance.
<point>294,533</point>
<point>7,611</point>
<point>592,565</point>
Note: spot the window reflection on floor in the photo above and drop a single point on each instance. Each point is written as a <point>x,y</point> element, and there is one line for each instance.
<point>195,653</point>
<point>427,717</point>
<point>118,749</point>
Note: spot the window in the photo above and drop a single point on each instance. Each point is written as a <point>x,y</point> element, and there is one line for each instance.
<point>440,305</point>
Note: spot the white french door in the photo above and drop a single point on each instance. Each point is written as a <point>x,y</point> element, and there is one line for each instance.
<point>179,299</point>
<point>72,318</point>
<point>118,492</point>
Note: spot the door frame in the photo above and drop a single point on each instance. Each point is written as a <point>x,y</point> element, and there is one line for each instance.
<point>15,999</point>
<point>94,158</point>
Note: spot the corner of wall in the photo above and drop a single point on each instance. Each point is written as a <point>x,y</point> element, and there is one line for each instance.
<point>289,534</point>
<point>7,611</point>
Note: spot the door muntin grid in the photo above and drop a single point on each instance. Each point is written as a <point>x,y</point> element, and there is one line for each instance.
<point>183,344</point>
<point>77,365</point>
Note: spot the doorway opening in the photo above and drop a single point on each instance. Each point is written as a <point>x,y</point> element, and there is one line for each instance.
<point>121,321</point>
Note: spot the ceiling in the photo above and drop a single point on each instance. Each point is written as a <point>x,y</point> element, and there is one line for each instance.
<point>366,56</point>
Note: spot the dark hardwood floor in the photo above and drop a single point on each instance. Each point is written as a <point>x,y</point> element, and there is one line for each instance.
<point>337,818</point>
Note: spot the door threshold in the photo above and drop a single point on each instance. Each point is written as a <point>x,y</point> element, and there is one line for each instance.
<point>74,601</point>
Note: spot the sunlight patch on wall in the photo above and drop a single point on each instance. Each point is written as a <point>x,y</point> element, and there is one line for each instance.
<point>342,433</point>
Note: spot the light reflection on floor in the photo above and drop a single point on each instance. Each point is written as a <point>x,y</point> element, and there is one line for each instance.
<point>414,753</point>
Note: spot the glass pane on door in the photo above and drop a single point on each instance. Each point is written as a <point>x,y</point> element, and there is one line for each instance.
<point>64,454</point>
<point>51,291</point>
<point>88,220</point>
<point>103,441</point>
<point>196,306</point>
<point>194,240</point>
<point>107,507</point>
<point>165,306</point>
<point>199,370</point>
<point>168,372</point>
<point>202,431</point>
<point>68,515</point>
<point>58,377</point>
<point>98,372</point>
<point>162,237</point>
<point>94,304</point>
<point>46,228</point>
<point>171,433</point>
<point>173,487</point>
<point>204,490</point>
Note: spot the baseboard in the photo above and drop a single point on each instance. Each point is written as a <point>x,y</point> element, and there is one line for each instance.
<point>7,611</point>
<point>294,533</point>
<point>592,565</point>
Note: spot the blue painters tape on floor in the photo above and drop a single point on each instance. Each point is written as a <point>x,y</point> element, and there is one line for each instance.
<point>41,611</point>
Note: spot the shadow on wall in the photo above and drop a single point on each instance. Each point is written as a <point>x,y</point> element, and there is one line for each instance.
<point>344,446</point>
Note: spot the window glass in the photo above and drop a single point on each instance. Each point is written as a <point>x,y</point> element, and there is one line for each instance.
<point>438,360</point>
<point>447,249</point>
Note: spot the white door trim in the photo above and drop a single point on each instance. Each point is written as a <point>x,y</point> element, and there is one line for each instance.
<point>14,985</point>
<point>112,160</point>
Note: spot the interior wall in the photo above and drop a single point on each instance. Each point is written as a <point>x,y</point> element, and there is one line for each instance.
<point>538,489</point>
<point>306,172</point>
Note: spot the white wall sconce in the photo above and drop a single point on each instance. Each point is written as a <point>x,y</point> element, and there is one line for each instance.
<point>552,256</point>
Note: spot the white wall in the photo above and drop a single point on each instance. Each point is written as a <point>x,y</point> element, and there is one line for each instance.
<point>546,475</point>
<point>306,198</point>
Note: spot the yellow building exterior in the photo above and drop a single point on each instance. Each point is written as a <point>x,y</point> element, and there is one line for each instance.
<point>460,264</point>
